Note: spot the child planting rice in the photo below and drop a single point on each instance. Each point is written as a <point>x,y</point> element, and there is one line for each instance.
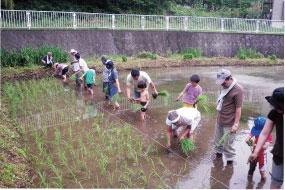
<point>144,98</point>
<point>61,69</point>
<point>90,79</point>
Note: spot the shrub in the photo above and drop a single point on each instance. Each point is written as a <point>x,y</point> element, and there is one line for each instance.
<point>147,55</point>
<point>29,56</point>
<point>188,56</point>
<point>272,57</point>
<point>153,56</point>
<point>245,53</point>
<point>195,52</point>
<point>124,58</point>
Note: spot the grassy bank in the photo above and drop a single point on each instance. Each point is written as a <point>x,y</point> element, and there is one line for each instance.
<point>176,60</point>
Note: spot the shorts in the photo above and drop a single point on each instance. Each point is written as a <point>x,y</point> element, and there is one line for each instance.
<point>90,86</point>
<point>137,94</point>
<point>65,70</point>
<point>186,105</point>
<point>112,90</point>
<point>277,174</point>
<point>105,85</point>
<point>143,104</point>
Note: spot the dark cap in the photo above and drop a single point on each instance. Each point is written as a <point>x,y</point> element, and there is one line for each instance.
<point>109,64</point>
<point>277,98</point>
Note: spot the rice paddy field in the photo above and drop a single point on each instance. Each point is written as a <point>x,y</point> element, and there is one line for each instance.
<point>75,140</point>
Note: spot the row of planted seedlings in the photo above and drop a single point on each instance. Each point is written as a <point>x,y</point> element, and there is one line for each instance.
<point>26,98</point>
<point>100,152</point>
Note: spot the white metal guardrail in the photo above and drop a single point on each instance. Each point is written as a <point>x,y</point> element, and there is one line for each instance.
<point>11,19</point>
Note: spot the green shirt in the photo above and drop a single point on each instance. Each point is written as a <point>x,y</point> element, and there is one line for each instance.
<point>89,76</point>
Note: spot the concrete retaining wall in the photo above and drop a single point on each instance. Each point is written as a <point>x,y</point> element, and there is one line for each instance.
<point>90,42</point>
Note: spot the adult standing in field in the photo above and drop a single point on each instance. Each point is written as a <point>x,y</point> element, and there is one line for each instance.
<point>105,75</point>
<point>83,67</point>
<point>275,118</point>
<point>188,117</point>
<point>132,80</point>
<point>192,91</point>
<point>61,69</point>
<point>75,67</point>
<point>48,60</point>
<point>229,111</point>
<point>113,84</point>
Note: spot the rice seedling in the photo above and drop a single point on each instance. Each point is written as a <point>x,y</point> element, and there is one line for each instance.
<point>105,90</point>
<point>187,145</point>
<point>223,138</point>
<point>103,161</point>
<point>116,97</point>
<point>111,178</point>
<point>43,179</point>
<point>141,176</point>
<point>137,107</point>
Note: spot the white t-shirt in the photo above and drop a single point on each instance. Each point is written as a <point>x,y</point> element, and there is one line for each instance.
<point>190,116</point>
<point>143,77</point>
<point>83,64</point>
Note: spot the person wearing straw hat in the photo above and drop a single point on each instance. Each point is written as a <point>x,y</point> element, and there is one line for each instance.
<point>275,118</point>
<point>188,117</point>
<point>229,111</point>
<point>262,155</point>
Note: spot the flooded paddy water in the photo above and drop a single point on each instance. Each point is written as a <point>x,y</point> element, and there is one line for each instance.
<point>83,142</point>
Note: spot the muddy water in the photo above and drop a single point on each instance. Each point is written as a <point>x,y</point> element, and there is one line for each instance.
<point>204,170</point>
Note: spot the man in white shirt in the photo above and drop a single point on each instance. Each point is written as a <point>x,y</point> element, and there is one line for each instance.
<point>75,67</point>
<point>83,66</point>
<point>132,80</point>
<point>188,117</point>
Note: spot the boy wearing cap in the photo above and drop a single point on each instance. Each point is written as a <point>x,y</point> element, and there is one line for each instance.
<point>192,91</point>
<point>113,84</point>
<point>275,118</point>
<point>189,117</point>
<point>229,111</point>
<point>262,155</point>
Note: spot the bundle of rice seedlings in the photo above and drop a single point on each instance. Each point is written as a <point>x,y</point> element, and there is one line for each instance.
<point>187,145</point>
<point>163,93</point>
<point>137,107</point>
<point>105,90</point>
<point>203,103</point>
<point>116,97</point>
<point>223,138</point>
<point>73,77</point>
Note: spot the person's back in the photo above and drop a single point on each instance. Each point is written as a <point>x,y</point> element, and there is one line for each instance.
<point>90,74</point>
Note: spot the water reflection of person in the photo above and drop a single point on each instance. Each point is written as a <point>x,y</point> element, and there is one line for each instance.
<point>250,183</point>
<point>221,173</point>
<point>274,118</point>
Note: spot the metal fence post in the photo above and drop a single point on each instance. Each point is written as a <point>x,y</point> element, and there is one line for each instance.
<point>113,22</point>
<point>143,22</point>
<point>167,22</point>
<point>185,23</point>
<point>222,24</point>
<point>74,21</point>
<point>257,26</point>
<point>28,14</point>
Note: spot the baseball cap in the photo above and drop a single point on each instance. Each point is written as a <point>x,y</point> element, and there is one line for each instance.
<point>73,51</point>
<point>104,58</point>
<point>258,126</point>
<point>222,75</point>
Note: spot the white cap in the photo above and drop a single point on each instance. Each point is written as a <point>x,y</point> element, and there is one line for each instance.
<point>73,51</point>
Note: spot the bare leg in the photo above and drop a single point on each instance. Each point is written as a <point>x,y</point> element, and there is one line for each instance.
<point>263,175</point>
<point>64,78</point>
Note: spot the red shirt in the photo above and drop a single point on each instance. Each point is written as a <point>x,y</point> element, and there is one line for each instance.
<point>269,139</point>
